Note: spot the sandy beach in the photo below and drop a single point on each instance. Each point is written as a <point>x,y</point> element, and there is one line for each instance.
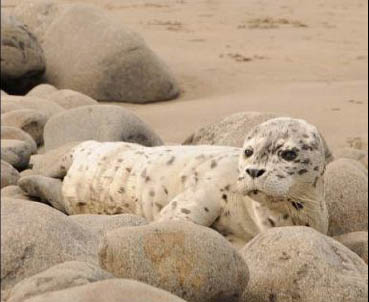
<point>306,59</point>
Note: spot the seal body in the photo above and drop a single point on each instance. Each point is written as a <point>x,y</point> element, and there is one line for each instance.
<point>274,180</point>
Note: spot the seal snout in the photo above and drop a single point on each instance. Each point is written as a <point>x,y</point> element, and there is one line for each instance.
<point>255,173</point>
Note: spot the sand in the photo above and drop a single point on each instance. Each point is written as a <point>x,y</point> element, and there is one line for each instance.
<point>307,59</point>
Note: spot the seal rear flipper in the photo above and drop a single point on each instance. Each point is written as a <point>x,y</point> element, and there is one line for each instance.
<point>48,190</point>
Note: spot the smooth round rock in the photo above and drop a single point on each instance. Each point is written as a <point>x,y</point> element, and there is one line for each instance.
<point>62,276</point>
<point>30,121</point>
<point>346,194</point>
<point>36,237</point>
<point>15,192</point>
<point>16,152</point>
<point>47,107</point>
<point>190,261</point>
<point>230,131</point>
<point>9,175</point>
<point>8,107</point>
<point>69,99</point>
<point>103,59</point>
<point>301,265</point>
<point>18,134</point>
<point>114,290</point>
<point>105,223</point>
<point>104,123</point>
<point>356,242</point>
<point>22,58</point>
<point>42,90</point>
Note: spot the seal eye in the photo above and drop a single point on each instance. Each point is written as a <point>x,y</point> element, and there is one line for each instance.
<point>249,153</point>
<point>289,155</point>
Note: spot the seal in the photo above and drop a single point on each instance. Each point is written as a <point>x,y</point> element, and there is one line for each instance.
<point>275,179</point>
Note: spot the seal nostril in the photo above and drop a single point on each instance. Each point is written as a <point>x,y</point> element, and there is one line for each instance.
<point>255,173</point>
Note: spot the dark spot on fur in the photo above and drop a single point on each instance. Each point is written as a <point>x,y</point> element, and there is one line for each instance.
<point>308,225</point>
<point>152,193</point>
<point>272,223</point>
<point>166,191</point>
<point>291,173</point>
<point>315,182</point>
<point>159,206</point>
<point>121,190</point>
<point>298,205</point>
<point>206,209</point>
<point>214,164</point>
<point>306,161</point>
<point>147,179</point>
<point>227,187</point>
<point>129,170</point>
<point>306,147</point>
<point>185,211</point>
<point>183,178</point>
<point>120,160</point>
<point>303,171</point>
<point>281,176</point>
<point>305,136</point>
<point>316,168</point>
<point>171,161</point>
<point>272,298</point>
<point>174,205</point>
<point>225,197</point>
<point>286,216</point>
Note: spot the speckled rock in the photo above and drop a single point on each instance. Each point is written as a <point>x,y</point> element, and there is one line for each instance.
<point>18,134</point>
<point>36,237</point>
<point>69,99</point>
<point>113,290</point>
<point>47,107</point>
<point>298,264</point>
<point>49,163</point>
<point>47,189</point>
<point>105,223</point>
<point>355,154</point>
<point>30,121</point>
<point>42,90</point>
<point>16,152</point>
<point>230,131</point>
<point>9,175</point>
<point>62,276</point>
<point>103,59</point>
<point>22,58</point>
<point>101,123</point>
<point>190,261</point>
<point>346,190</point>
<point>356,242</point>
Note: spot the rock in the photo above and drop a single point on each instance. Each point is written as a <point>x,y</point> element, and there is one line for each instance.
<point>46,107</point>
<point>355,154</point>
<point>62,276</point>
<point>9,175</point>
<point>28,172</point>
<point>16,152</point>
<point>8,107</point>
<point>356,242</point>
<point>69,99</point>
<point>22,58</point>
<point>38,15</point>
<point>102,224</point>
<point>114,290</point>
<point>48,190</point>
<point>190,261</point>
<point>104,60</point>
<point>36,237</point>
<point>104,123</point>
<point>346,191</point>
<point>42,90</point>
<point>30,121</point>
<point>18,134</point>
<point>230,131</point>
<point>301,265</point>
<point>15,192</point>
<point>49,164</point>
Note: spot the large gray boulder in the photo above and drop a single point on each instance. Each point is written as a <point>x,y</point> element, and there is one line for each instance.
<point>9,175</point>
<point>28,120</point>
<point>36,237</point>
<point>301,265</point>
<point>15,192</point>
<point>190,261</point>
<point>114,290</point>
<point>18,134</point>
<point>69,99</point>
<point>22,58</point>
<point>62,276</point>
<point>346,194</point>
<point>231,131</point>
<point>104,123</point>
<point>103,59</point>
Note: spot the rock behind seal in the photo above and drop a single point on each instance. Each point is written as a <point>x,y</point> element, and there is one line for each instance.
<point>22,58</point>
<point>104,123</point>
<point>103,59</point>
